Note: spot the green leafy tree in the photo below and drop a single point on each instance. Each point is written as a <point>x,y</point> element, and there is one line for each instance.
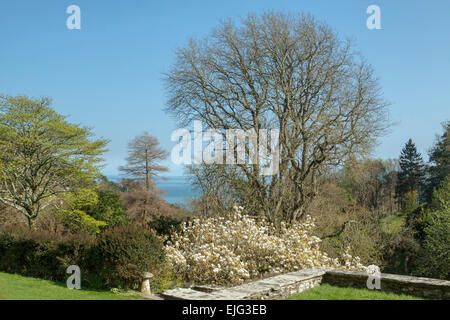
<point>42,156</point>
<point>412,171</point>
<point>434,259</point>
<point>74,215</point>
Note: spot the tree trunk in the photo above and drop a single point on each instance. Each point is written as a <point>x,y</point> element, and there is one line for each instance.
<point>30,223</point>
<point>147,178</point>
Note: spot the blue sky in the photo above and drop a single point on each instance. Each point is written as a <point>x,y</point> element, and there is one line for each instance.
<point>108,74</point>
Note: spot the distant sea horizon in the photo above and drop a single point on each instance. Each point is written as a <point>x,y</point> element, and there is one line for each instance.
<point>177,189</point>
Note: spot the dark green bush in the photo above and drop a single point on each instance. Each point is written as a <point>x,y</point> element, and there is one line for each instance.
<point>40,253</point>
<point>165,226</point>
<point>123,253</point>
<point>116,258</point>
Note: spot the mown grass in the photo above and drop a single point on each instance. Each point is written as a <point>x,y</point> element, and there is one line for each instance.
<point>15,287</point>
<point>328,292</point>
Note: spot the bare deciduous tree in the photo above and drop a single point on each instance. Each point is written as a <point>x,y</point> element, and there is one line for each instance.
<point>284,72</point>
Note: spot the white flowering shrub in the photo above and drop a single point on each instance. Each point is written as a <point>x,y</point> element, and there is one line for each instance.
<point>373,269</point>
<point>232,249</point>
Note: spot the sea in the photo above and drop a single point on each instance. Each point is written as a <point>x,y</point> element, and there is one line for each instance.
<point>177,189</point>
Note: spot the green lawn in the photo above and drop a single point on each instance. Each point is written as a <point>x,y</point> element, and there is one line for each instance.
<point>15,287</point>
<point>328,292</point>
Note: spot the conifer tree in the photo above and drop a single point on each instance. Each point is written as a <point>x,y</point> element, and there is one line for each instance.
<point>412,171</point>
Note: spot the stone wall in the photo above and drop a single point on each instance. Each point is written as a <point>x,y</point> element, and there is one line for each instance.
<point>415,286</point>
<point>288,284</point>
<point>277,287</point>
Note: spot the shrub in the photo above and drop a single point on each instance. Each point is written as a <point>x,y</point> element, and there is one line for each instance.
<point>108,208</point>
<point>165,225</point>
<point>42,254</point>
<point>165,279</point>
<point>359,233</point>
<point>434,258</point>
<point>123,253</point>
<point>400,250</point>
<point>233,249</point>
<point>116,258</point>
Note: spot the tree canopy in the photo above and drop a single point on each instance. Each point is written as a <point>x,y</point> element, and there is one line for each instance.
<point>42,155</point>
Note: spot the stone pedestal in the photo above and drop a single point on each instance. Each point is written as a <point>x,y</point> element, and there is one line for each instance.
<point>145,286</point>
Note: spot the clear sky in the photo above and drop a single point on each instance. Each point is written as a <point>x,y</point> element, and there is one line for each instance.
<point>108,74</point>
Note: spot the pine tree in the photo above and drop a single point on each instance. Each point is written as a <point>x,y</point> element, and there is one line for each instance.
<point>412,171</point>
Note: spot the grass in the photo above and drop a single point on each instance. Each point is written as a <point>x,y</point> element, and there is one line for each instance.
<point>15,287</point>
<point>393,223</point>
<point>328,292</point>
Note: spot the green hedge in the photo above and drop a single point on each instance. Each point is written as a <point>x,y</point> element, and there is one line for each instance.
<point>116,258</point>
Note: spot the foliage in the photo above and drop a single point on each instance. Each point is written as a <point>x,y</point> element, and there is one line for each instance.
<point>409,202</point>
<point>42,156</point>
<point>116,258</point>
<point>43,254</point>
<point>412,171</point>
<point>421,216</point>
<point>434,258</point>
<point>393,223</point>
<point>399,251</point>
<point>75,216</point>
<point>165,225</point>
<point>417,220</point>
<point>342,223</point>
<point>441,196</point>
<point>145,206</point>
<point>108,208</point>
<point>124,253</point>
<point>361,237</point>
<point>369,183</point>
<point>439,160</point>
<point>227,250</point>
<point>165,279</point>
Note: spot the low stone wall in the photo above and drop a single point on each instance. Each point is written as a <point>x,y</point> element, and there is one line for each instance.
<point>415,286</point>
<point>288,284</point>
<point>270,288</point>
